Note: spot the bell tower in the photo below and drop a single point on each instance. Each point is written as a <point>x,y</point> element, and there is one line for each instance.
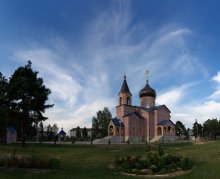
<point>124,96</point>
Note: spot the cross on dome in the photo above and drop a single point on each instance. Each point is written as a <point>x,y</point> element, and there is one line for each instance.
<point>147,75</point>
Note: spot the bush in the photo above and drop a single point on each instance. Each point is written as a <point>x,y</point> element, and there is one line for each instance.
<point>153,162</point>
<point>186,164</point>
<point>34,161</point>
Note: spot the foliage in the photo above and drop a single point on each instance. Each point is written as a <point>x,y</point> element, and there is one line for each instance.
<point>152,163</point>
<point>100,123</point>
<point>85,133</point>
<point>197,129</point>
<point>180,129</point>
<point>55,128</point>
<point>211,128</point>
<point>96,159</point>
<point>78,133</point>
<point>186,164</point>
<point>33,161</point>
<point>27,95</point>
<point>23,98</point>
<point>4,106</point>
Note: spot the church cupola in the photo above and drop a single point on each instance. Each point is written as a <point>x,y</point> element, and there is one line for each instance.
<point>147,95</point>
<point>124,95</point>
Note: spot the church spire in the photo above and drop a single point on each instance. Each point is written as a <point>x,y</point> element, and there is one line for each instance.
<point>124,87</point>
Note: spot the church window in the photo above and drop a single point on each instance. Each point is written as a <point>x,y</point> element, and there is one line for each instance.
<point>128,100</point>
<point>120,100</point>
<point>111,130</point>
<point>169,128</point>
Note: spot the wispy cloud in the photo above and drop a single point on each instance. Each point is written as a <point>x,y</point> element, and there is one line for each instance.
<point>186,107</point>
<point>86,77</point>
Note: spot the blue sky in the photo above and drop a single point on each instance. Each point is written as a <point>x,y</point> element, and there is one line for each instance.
<point>83,48</point>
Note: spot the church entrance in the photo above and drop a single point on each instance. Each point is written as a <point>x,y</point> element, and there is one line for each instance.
<point>111,130</point>
<point>159,131</point>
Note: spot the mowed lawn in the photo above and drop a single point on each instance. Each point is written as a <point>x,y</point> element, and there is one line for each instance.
<point>92,161</point>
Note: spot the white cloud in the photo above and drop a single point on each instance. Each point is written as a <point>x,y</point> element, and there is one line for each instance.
<point>185,110</point>
<point>217,78</point>
<point>84,77</point>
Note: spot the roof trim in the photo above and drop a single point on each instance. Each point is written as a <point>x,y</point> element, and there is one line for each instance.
<point>164,122</point>
<point>135,113</point>
<point>116,122</point>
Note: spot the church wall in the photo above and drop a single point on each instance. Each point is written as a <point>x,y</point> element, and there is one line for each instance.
<point>123,110</point>
<point>155,122</point>
<point>126,123</point>
<point>162,114</point>
<point>145,123</point>
<point>135,128</point>
<point>151,125</point>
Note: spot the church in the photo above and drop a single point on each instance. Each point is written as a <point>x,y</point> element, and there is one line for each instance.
<point>146,122</point>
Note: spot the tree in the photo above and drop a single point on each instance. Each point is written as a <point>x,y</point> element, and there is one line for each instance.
<point>197,129</point>
<point>78,133</point>
<point>55,129</point>
<point>41,131</point>
<point>49,132</point>
<point>100,123</point>
<point>95,127</point>
<point>85,133</point>
<point>27,95</point>
<point>211,128</point>
<point>180,129</point>
<point>4,108</point>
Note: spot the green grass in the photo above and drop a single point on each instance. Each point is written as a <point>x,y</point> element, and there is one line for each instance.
<point>86,161</point>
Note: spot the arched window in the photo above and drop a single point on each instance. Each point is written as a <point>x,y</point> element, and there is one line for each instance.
<point>169,128</point>
<point>111,130</point>
<point>120,100</point>
<point>128,100</point>
<point>117,130</point>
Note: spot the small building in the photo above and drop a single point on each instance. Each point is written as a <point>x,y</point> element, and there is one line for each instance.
<point>11,135</point>
<point>61,135</point>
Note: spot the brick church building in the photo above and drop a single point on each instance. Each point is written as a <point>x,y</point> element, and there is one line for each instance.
<point>146,122</point>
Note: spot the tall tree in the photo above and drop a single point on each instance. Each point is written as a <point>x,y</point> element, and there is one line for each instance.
<point>95,127</point>
<point>180,129</point>
<point>41,131</point>
<point>197,129</point>
<point>100,123</point>
<point>55,129</point>
<point>78,133</point>
<point>4,108</point>
<point>85,133</point>
<point>212,128</point>
<point>28,96</point>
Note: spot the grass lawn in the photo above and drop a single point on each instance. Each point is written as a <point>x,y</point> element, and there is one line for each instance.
<point>86,161</point>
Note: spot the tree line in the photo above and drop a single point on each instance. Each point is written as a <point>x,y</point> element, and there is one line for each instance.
<point>23,100</point>
<point>210,129</point>
<point>81,134</point>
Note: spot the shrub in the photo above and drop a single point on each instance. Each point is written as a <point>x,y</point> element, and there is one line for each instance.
<point>153,162</point>
<point>33,161</point>
<point>186,164</point>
